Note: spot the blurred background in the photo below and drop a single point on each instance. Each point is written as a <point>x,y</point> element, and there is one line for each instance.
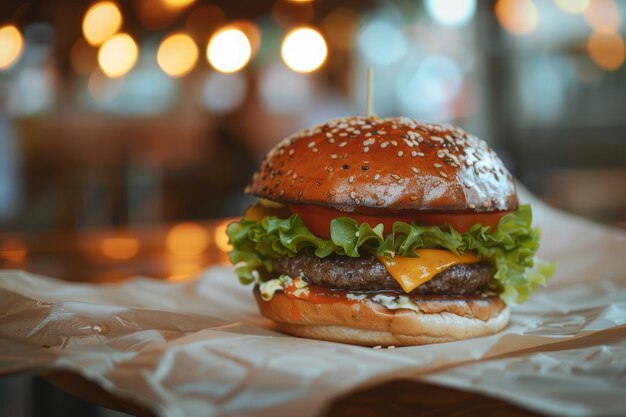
<point>127,126</point>
<point>150,115</point>
<point>151,111</point>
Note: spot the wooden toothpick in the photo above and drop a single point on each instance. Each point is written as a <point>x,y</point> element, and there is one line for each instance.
<point>369,96</point>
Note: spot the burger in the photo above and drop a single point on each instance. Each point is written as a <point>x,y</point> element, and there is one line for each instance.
<point>386,231</point>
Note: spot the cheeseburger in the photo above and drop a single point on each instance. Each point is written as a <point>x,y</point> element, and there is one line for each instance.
<point>386,231</point>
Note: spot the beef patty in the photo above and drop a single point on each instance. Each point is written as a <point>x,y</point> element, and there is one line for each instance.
<point>367,273</point>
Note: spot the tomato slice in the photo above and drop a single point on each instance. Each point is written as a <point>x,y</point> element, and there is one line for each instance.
<point>318,219</point>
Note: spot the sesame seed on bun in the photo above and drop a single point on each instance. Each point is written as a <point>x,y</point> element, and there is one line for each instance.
<point>385,231</point>
<point>392,164</point>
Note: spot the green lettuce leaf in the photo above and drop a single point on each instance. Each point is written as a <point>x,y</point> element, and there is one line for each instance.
<point>511,247</point>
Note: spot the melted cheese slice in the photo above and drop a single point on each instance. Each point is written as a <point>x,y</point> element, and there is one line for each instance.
<point>410,273</point>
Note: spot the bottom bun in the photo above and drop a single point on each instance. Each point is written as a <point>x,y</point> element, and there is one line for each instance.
<point>368,323</point>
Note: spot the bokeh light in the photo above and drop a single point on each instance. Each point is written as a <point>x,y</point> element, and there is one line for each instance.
<point>229,50</point>
<point>451,12</point>
<point>607,50</point>
<point>119,247</point>
<point>101,21</point>
<point>187,239</point>
<point>519,17</point>
<point>11,46</point>
<point>118,55</point>
<point>573,6</point>
<point>177,55</point>
<point>382,42</point>
<point>603,15</point>
<point>304,50</point>
<point>221,93</point>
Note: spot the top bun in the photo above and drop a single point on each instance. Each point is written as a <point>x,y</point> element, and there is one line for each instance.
<point>385,165</point>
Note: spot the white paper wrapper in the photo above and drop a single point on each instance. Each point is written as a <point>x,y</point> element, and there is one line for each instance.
<point>200,348</point>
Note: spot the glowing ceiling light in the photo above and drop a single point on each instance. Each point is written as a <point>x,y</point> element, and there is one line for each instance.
<point>304,50</point>
<point>519,17</point>
<point>118,55</point>
<point>607,50</point>
<point>603,15</point>
<point>573,6</point>
<point>11,46</point>
<point>177,55</point>
<point>451,12</point>
<point>101,21</point>
<point>229,50</point>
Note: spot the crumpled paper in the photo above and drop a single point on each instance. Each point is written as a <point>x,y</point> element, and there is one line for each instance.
<point>200,348</point>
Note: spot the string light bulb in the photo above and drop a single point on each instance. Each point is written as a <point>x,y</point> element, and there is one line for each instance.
<point>11,46</point>
<point>229,50</point>
<point>118,55</point>
<point>102,20</point>
<point>304,50</point>
<point>177,55</point>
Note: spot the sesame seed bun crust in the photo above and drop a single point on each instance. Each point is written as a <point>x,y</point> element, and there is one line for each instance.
<point>362,164</point>
<point>368,323</point>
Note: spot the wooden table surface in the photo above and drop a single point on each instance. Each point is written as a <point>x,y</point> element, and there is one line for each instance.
<point>177,252</point>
